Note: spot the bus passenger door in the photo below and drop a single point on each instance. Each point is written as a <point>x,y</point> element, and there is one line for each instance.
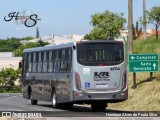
<point>47,89</point>
<point>24,73</point>
<point>65,75</point>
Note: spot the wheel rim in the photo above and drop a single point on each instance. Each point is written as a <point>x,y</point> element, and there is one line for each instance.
<point>54,99</point>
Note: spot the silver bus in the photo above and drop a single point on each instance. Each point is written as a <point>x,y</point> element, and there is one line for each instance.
<point>85,72</point>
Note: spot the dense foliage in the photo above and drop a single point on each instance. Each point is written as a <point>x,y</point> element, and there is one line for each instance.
<point>136,31</point>
<point>106,25</point>
<point>14,45</point>
<point>154,18</point>
<point>8,76</point>
<point>9,45</point>
<point>19,50</point>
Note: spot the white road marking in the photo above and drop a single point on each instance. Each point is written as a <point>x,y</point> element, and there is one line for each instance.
<point>7,98</point>
<point>15,110</point>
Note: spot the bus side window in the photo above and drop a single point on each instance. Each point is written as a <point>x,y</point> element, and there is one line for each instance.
<point>57,61</point>
<point>50,63</point>
<point>30,62</point>
<point>39,62</point>
<point>45,61</point>
<point>34,63</point>
<point>63,61</point>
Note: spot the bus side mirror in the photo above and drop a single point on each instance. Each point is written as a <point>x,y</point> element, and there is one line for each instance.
<point>20,64</point>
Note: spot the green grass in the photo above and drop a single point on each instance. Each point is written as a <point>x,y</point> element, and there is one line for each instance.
<point>146,97</point>
<point>151,45</point>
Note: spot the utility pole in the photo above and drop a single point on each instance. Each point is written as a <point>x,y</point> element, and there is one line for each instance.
<point>130,36</point>
<point>130,30</point>
<point>144,18</point>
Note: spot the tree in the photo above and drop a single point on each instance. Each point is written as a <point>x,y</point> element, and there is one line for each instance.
<point>7,78</point>
<point>27,38</point>
<point>37,33</point>
<point>41,43</point>
<point>19,51</point>
<point>153,16</point>
<point>137,30</point>
<point>133,32</point>
<point>9,44</point>
<point>106,25</point>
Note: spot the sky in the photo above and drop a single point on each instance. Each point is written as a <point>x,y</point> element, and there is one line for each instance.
<point>63,17</point>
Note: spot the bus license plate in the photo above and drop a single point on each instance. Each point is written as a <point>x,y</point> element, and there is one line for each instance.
<point>101,85</point>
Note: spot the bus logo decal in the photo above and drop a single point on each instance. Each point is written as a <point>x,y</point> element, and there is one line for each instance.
<point>86,71</point>
<point>115,68</point>
<point>101,76</point>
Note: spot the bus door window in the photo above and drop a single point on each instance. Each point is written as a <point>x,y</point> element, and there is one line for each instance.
<point>69,59</point>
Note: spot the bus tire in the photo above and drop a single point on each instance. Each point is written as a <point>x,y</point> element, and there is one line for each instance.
<point>33,102</point>
<point>54,100</point>
<point>98,106</point>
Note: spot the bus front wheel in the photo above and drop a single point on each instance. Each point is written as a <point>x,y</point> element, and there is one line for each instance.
<point>33,102</point>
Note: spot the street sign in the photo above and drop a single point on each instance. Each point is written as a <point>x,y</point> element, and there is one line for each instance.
<point>143,62</point>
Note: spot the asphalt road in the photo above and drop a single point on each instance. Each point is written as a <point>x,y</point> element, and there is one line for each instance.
<point>15,102</point>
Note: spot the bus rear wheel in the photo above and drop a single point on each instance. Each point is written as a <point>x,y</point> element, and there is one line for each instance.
<point>54,100</point>
<point>98,106</point>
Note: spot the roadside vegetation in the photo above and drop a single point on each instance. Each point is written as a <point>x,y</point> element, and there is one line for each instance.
<point>14,45</point>
<point>8,76</point>
<point>146,97</point>
<point>8,79</point>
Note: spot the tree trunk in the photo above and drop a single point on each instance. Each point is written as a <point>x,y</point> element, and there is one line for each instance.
<point>156,33</point>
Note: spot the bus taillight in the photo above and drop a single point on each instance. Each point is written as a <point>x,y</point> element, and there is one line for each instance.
<point>77,81</point>
<point>124,81</point>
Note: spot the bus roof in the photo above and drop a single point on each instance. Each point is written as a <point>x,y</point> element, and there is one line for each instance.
<point>48,47</point>
<point>69,44</point>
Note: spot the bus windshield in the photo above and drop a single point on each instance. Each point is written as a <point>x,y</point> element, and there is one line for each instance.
<point>96,54</point>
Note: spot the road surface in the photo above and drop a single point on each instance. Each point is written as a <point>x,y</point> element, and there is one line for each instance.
<point>14,102</point>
